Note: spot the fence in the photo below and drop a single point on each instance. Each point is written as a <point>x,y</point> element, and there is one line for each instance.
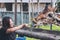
<point>40,33</point>
<point>25,16</point>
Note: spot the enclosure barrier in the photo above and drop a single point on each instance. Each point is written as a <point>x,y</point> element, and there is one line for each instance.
<point>39,33</point>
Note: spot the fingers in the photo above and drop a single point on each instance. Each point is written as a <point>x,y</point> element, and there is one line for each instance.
<point>26,25</point>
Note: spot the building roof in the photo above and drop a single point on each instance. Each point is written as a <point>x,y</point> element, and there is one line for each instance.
<point>27,1</point>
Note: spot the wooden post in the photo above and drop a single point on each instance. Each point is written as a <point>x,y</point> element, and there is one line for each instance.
<point>32,10</point>
<point>21,12</point>
<point>29,14</point>
<point>38,5</point>
<point>51,26</point>
<point>38,8</point>
<point>15,14</point>
<point>2,4</point>
<point>51,3</point>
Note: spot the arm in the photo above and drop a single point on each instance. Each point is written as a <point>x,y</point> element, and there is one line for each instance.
<point>9,30</point>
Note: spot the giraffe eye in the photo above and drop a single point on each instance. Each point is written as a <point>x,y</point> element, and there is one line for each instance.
<point>50,15</point>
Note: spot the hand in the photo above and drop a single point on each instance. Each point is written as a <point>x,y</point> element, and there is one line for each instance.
<point>25,25</point>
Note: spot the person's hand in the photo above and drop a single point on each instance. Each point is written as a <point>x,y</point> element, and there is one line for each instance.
<point>25,25</point>
<point>22,26</point>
